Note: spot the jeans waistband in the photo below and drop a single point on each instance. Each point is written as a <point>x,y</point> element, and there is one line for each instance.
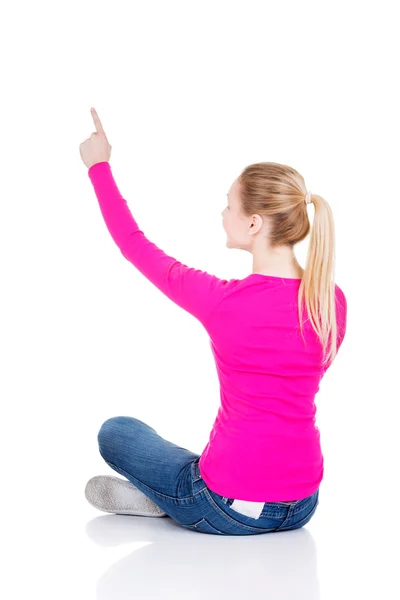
<point>246,507</point>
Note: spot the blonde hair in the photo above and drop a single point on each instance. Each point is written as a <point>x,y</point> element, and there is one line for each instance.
<point>278,192</point>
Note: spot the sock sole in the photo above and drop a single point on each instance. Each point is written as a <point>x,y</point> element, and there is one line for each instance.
<point>112,494</point>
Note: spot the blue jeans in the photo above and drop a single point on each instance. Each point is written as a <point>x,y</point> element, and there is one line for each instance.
<point>169,475</point>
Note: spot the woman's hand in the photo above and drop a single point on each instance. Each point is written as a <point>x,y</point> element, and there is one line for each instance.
<point>96,148</point>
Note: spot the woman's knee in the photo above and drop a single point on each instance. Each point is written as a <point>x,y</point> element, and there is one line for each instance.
<point>108,433</point>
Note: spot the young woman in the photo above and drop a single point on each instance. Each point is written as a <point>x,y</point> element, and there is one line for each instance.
<point>273,335</point>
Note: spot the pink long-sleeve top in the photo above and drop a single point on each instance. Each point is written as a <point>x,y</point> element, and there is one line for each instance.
<point>264,445</point>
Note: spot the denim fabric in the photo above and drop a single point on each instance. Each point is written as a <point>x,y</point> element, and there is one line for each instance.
<point>170,476</point>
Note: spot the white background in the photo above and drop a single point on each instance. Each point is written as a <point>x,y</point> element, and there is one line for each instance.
<point>189,94</point>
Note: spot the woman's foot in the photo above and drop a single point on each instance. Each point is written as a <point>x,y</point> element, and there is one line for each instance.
<point>119,496</point>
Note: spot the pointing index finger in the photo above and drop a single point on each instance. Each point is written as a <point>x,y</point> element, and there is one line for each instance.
<point>97,122</point>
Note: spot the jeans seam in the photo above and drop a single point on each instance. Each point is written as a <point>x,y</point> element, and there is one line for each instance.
<point>301,520</point>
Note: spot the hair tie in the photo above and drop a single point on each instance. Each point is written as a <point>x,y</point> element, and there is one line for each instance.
<point>308,198</point>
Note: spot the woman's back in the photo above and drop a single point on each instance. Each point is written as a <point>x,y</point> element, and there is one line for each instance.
<point>265,445</point>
